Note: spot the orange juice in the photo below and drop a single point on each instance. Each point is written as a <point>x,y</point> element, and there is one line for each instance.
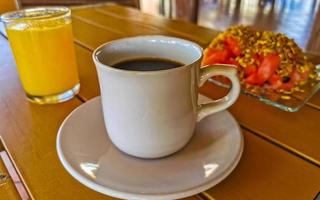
<point>8,5</point>
<point>45,56</point>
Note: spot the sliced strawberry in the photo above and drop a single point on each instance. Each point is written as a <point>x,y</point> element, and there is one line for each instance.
<point>297,77</point>
<point>252,79</point>
<point>255,56</point>
<point>260,58</point>
<point>232,61</point>
<point>269,65</point>
<point>287,86</point>
<point>209,51</point>
<point>219,56</point>
<point>251,69</point>
<point>275,81</point>
<point>233,44</point>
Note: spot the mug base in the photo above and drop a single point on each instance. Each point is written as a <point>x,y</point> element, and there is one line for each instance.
<point>149,154</point>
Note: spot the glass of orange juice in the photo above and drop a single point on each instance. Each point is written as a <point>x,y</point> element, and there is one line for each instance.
<point>42,43</point>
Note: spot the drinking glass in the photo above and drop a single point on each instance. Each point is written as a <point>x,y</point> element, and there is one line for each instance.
<point>42,43</point>
<point>8,5</point>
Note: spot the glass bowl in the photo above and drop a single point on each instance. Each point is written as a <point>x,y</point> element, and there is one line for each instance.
<point>287,102</point>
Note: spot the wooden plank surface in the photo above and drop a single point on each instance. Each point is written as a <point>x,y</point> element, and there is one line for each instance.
<point>200,35</point>
<point>7,188</point>
<point>266,173</point>
<point>300,137</point>
<point>96,20</point>
<point>29,134</point>
<point>297,132</point>
<point>15,178</point>
<point>276,125</point>
<point>126,22</point>
<point>254,189</point>
<point>174,27</point>
<point>263,164</point>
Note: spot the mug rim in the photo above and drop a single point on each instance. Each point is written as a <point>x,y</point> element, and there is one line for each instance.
<point>185,66</point>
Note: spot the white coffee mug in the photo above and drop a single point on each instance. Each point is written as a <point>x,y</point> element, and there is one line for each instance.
<point>151,114</point>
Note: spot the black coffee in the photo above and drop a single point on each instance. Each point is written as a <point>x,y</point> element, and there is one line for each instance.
<point>147,64</point>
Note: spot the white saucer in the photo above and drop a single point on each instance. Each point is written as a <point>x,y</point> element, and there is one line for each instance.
<point>89,156</point>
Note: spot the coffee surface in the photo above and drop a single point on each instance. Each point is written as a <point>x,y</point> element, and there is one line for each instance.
<point>147,64</point>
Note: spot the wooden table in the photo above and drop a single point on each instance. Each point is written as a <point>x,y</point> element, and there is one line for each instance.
<point>281,158</point>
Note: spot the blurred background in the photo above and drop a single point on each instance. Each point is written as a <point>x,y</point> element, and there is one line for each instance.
<point>299,19</point>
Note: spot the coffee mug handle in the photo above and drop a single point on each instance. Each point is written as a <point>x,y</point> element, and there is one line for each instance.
<point>223,103</point>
